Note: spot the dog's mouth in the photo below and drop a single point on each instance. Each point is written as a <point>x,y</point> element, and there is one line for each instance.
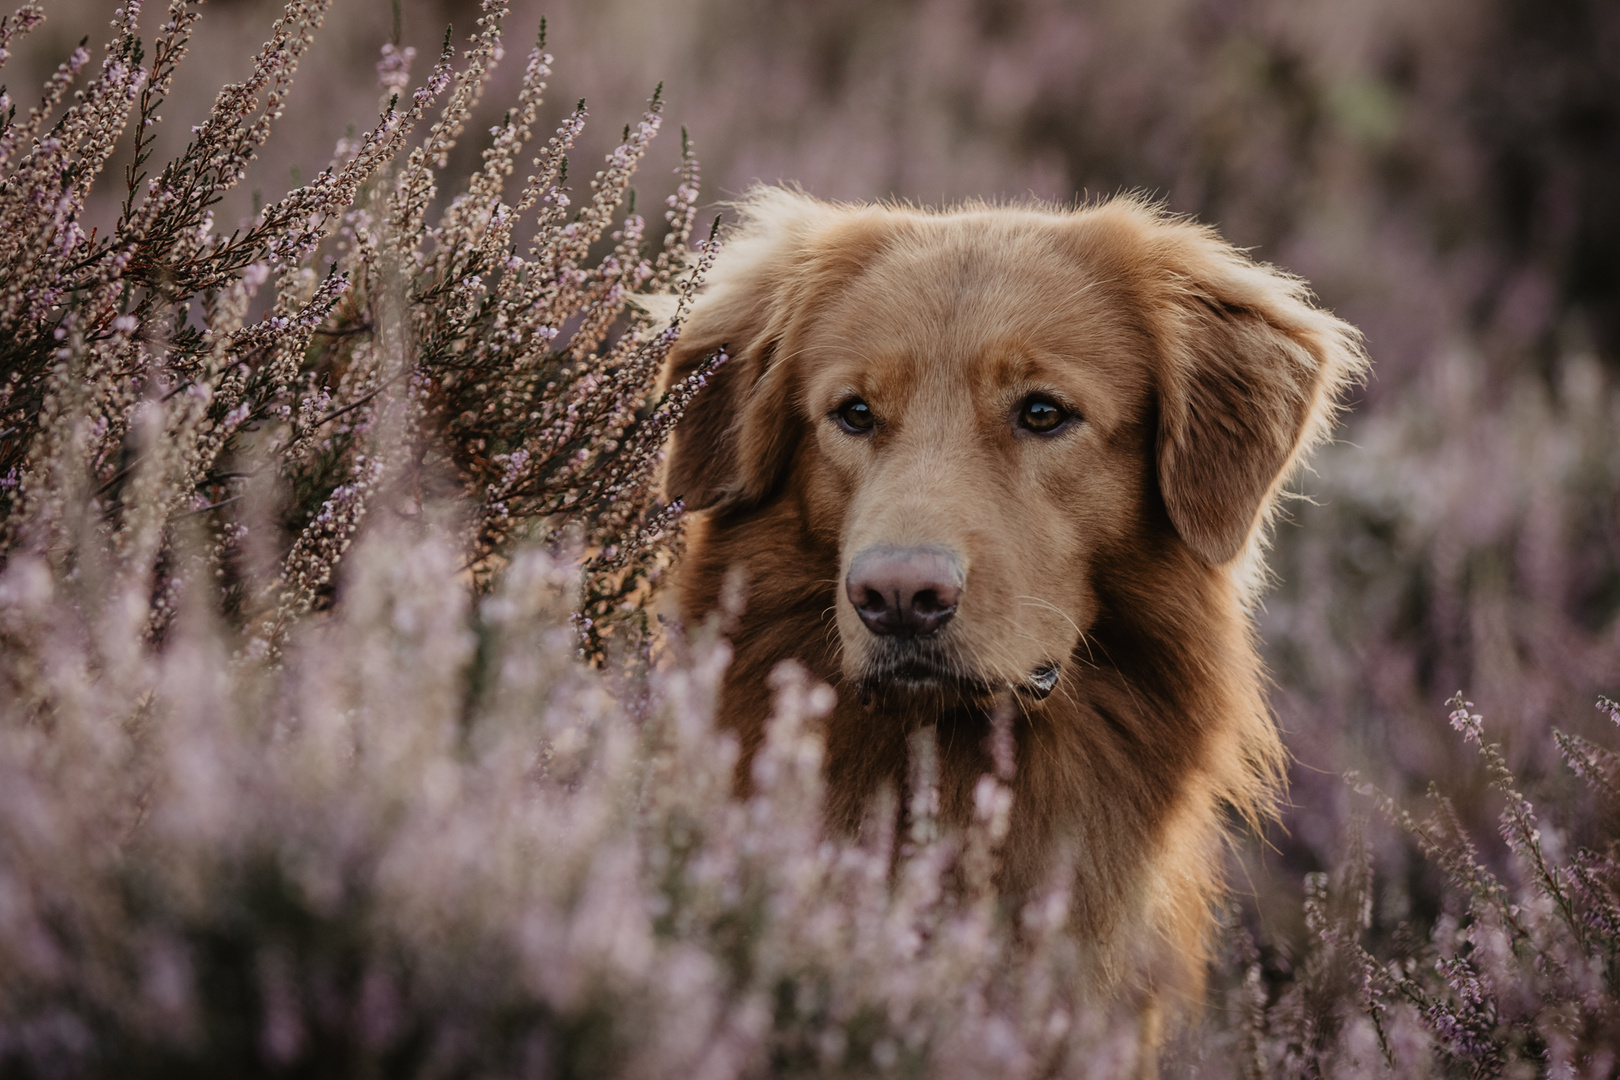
<point>929,673</point>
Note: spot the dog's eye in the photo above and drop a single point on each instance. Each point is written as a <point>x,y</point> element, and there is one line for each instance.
<point>855,416</point>
<point>1041,414</point>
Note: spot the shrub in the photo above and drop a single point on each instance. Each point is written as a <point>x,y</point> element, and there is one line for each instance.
<point>426,840</point>
<point>1518,975</point>
<point>395,355</point>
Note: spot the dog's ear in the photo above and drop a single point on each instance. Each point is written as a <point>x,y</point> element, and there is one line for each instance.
<point>736,439</point>
<point>1251,375</point>
<point>710,459</point>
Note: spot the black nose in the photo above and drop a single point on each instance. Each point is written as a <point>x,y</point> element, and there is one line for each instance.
<point>904,592</point>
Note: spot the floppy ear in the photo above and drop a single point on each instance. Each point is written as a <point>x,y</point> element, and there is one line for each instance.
<point>711,458</point>
<point>736,439</point>
<point>1250,383</point>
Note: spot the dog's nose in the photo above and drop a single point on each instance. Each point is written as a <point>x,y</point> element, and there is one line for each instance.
<point>904,592</point>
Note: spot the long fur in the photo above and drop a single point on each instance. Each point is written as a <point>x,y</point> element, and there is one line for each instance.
<point>1130,548</point>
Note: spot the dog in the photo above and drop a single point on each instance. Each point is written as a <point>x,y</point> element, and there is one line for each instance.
<point>1003,456</point>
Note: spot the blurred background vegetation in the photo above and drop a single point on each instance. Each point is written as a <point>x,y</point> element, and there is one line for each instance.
<point>1443,173</point>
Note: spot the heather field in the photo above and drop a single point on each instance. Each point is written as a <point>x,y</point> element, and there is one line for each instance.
<point>340,734</point>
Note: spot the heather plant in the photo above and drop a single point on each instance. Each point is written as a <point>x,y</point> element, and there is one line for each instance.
<point>1518,973</point>
<point>425,839</point>
<point>143,363</point>
<point>1465,536</point>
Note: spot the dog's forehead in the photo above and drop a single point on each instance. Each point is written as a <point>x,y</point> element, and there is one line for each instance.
<point>974,304</point>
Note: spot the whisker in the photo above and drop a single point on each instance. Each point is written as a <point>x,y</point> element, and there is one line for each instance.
<point>1082,637</point>
<point>1085,639</point>
<point>1038,602</point>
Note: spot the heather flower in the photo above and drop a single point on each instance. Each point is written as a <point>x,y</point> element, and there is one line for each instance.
<point>394,69</point>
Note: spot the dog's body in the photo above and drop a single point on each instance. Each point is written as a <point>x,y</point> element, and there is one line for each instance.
<point>1012,456</point>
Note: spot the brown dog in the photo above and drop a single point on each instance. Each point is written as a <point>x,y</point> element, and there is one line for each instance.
<point>997,454</point>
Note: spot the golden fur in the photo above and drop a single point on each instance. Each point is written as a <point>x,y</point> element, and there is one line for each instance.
<point>1127,547</point>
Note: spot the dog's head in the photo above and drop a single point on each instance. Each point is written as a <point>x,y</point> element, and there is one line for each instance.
<point>983,410</point>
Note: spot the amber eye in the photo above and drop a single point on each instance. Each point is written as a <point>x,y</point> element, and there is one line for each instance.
<point>855,416</point>
<point>1041,414</point>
